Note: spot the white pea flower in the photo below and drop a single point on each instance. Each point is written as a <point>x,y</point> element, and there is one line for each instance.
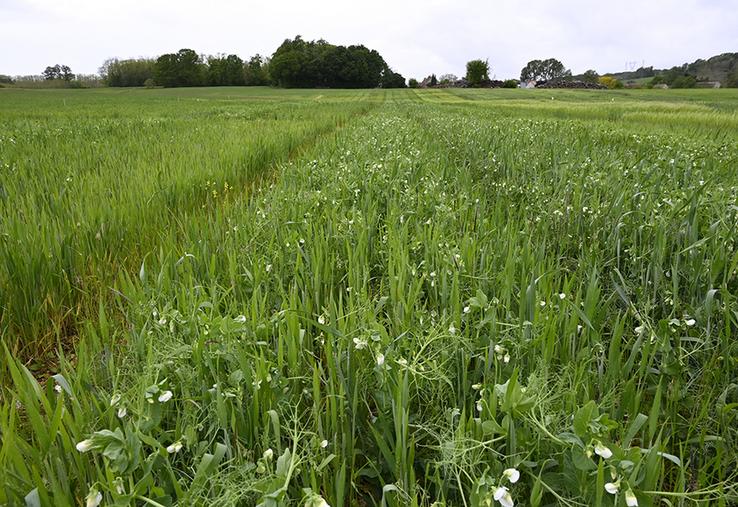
<point>268,268</point>
<point>94,497</point>
<point>321,320</point>
<point>360,343</point>
<point>268,454</point>
<point>174,448</point>
<point>122,412</point>
<point>58,388</point>
<point>639,329</point>
<point>85,445</point>
<point>512,474</point>
<point>602,450</point>
<point>402,361</point>
<point>506,358</point>
<point>324,444</point>
<point>380,360</point>
<point>240,319</point>
<point>630,498</point>
<point>115,399</point>
<point>165,396</point>
<point>452,328</point>
<point>502,495</point>
<point>562,296</point>
<point>467,309</point>
<point>612,487</point>
<point>690,322</point>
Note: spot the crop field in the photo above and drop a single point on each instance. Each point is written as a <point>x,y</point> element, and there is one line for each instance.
<point>249,296</point>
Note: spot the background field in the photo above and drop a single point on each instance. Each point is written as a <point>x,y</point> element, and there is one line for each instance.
<point>241,296</point>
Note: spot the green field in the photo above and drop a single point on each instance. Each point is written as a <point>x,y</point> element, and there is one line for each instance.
<point>242,296</point>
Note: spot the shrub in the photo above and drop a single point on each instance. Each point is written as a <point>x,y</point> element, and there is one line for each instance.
<point>611,82</point>
<point>684,82</point>
<point>510,83</point>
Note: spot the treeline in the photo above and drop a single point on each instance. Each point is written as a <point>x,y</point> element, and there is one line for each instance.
<point>295,64</point>
<point>186,68</point>
<point>318,64</point>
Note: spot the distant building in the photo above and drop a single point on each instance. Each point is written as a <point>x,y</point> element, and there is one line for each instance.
<point>528,84</point>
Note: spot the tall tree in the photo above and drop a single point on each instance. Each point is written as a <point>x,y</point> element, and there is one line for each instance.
<point>66,73</point>
<point>544,70</point>
<point>590,76</point>
<point>299,63</point>
<point>256,71</point>
<point>477,71</point>
<point>184,68</point>
<point>52,72</point>
<point>132,72</point>
<point>225,71</point>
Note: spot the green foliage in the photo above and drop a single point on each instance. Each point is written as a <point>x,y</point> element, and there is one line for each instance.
<point>510,83</point>
<point>302,64</point>
<point>477,71</point>
<point>610,82</point>
<point>732,80</point>
<point>380,297</point>
<point>133,72</point>
<point>256,71</point>
<point>391,79</point>
<point>225,71</point>
<point>58,72</point>
<point>184,68</point>
<point>544,70</point>
<point>684,82</point>
<point>412,83</point>
<point>590,76</point>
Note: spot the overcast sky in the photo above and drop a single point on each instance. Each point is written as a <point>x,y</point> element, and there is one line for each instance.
<point>415,37</point>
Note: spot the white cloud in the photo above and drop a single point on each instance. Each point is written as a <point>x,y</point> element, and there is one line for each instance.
<point>415,37</point>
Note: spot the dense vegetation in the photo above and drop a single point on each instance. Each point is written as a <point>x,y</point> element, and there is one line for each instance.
<point>721,68</point>
<point>410,297</point>
<point>317,64</point>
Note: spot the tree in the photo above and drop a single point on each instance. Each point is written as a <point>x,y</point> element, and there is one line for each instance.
<point>306,64</point>
<point>611,82</point>
<point>66,73</point>
<point>412,83</point>
<point>477,71</point>
<point>430,81</point>
<point>544,70</point>
<point>184,68</point>
<point>684,82</point>
<point>732,80</point>
<point>590,76</point>
<point>256,71</point>
<point>448,79</point>
<point>225,71</point>
<point>133,72</point>
<point>392,79</point>
<point>51,73</point>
